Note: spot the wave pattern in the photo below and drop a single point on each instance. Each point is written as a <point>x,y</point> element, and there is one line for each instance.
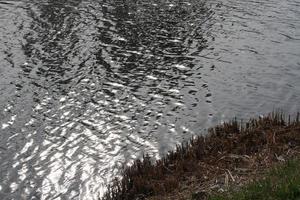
<point>88,86</point>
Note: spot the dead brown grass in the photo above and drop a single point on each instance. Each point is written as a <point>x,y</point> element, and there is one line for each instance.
<point>231,154</point>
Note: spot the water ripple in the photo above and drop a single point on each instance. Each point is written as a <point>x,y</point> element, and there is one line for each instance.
<point>88,86</point>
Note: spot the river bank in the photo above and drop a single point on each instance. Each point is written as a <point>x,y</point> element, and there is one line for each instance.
<point>89,86</point>
<point>231,155</point>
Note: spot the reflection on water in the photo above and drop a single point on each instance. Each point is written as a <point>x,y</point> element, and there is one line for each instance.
<point>87,86</point>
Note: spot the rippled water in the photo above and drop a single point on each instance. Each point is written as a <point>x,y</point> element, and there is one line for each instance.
<point>87,86</point>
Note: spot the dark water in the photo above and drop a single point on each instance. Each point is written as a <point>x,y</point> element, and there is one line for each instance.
<point>86,86</point>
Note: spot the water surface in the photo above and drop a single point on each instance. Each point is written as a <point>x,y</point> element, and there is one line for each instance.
<point>88,86</point>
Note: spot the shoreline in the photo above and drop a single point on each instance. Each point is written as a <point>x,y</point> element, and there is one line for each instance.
<point>230,156</point>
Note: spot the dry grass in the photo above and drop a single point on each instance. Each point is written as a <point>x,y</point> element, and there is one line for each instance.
<point>231,154</point>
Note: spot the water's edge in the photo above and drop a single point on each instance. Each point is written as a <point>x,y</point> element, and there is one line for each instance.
<point>88,86</point>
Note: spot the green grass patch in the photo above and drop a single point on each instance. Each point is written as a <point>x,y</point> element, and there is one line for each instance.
<point>281,183</point>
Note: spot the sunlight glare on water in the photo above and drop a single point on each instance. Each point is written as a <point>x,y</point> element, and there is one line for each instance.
<point>86,87</point>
